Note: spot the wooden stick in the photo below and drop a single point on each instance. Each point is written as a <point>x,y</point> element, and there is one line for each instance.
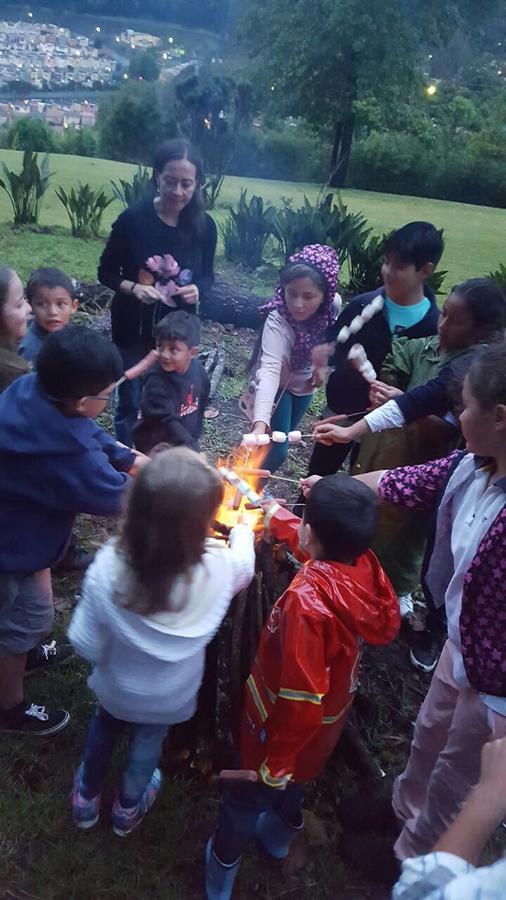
<point>282,478</point>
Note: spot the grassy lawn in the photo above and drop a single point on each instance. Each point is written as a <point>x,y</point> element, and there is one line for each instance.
<point>474,234</point>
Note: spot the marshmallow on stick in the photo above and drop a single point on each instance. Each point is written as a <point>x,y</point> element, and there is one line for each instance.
<point>142,366</point>
<point>358,322</point>
<point>358,358</point>
<point>240,485</point>
<point>278,437</point>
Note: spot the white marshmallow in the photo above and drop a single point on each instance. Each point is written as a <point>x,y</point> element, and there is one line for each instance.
<point>368,313</point>
<point>249,440</point>
<point>343,335</point>
<point>262,439</point>
<point>294,437</point>
<point>279,437</point>
<point>356,324</point>
<point>377,303</point>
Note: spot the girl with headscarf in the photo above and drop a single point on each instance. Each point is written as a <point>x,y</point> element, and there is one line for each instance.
<point>296,321</point>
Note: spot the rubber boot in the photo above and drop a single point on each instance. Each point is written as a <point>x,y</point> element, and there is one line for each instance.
<point>220,877</point>
<point>275,835</point>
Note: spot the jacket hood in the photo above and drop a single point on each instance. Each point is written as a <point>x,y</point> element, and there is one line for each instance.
<point>33,424</point>
<point>325,260</point>
<point>361,596</point>
<point>168,636</point>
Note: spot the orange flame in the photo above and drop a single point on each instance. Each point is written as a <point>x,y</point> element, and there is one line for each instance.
<point>240,460</point>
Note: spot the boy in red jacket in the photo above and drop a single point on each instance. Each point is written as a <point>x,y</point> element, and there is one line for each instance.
<point>305,673</point>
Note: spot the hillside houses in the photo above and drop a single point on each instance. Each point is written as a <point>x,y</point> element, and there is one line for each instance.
<point>48,56</point>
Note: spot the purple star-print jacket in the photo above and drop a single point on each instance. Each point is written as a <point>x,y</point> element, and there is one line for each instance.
<point>483,615</point>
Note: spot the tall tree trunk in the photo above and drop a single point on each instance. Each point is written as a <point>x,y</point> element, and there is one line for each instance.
<point>341,149</point>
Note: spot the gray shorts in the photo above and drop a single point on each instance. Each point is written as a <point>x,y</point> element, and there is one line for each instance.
<point>26,610</point>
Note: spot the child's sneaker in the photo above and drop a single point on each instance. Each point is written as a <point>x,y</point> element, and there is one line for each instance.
<point>29,718</point>
<point>125,820</point>
<point>46,656</point>
<point>85,813</point>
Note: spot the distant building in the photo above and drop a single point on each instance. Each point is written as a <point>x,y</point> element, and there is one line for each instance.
<point>139,39</point>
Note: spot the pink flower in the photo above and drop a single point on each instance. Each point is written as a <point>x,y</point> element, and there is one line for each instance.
<point>169,267</point>
<point>154,263</point>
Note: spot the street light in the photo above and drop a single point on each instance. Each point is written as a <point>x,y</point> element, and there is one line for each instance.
<point>97,29</point>
<point>431,90</point>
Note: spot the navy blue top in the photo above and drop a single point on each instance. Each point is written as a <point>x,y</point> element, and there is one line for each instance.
<point>51,468</point>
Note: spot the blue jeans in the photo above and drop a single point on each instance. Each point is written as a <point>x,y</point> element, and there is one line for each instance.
<point>143,756</point>
<point>241,806</point>
<point>128,397</point>
<point>286,417</point>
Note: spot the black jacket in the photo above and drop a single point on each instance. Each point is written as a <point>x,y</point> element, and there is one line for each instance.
<point>137,234</point>
<point>172,408</point>
<point>347,390</point>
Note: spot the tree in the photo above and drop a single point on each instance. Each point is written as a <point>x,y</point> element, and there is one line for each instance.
<point>328,60</point>
<point>130,124</point>
<point>31,134</point>
<point>145,65</point>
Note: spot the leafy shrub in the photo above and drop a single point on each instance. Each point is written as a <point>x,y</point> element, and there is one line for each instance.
<point>85,208</point>
<point>404,164</point>
<point>246,231</point>
<point>26,189</point>
<point>500,276</point>
<point>211,189</point>
<point>139,188</point>
<point>328,221</point>
<point>364,262</point>
<point>31,134</point>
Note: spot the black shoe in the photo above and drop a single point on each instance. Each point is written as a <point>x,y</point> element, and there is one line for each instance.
<point>28,718</point>
<point>372,855</point>
<point>369,812</point>
<point>75,560</point>
<point>425,650</point>
<point>45,656</point>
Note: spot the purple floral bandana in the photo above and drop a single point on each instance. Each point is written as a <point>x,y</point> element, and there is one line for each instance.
<point>314,331</point>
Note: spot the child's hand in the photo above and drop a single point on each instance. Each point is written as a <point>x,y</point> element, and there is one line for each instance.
<point>492,783</point>
<point>318,376</point>
<point>320,355</point>
<point>306,484</point>
<point>381,393</point>
<point>332,434</point>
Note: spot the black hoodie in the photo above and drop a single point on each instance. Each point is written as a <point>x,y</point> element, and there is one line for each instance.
<point>347,390</point>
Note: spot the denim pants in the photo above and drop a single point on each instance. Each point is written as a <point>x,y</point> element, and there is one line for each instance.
<point>143,756</point>
<point>241,806</point>
<point>128,397</point>
<point>286,417</point>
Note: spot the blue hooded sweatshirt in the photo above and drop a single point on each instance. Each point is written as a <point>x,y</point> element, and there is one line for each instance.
<point>51,468</point>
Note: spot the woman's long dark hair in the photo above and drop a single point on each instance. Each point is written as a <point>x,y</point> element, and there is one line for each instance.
<point>170,506</point>
<point>192,221</point>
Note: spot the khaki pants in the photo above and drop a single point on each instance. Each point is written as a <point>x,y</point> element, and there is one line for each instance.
<point>444,760</point>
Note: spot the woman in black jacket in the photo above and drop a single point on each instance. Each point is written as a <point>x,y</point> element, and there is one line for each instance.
<point>170,231</point>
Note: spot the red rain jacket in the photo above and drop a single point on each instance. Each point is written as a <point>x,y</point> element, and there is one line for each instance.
<point>306,670</point>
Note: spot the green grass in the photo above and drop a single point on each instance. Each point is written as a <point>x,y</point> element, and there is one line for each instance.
<point>474,234</point>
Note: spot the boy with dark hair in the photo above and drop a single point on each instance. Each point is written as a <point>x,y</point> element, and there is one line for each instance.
<point>55,462</point>
<point>50,293</point>
<point>176,390</point>
<point>410,310</point>
<point>305,673</point>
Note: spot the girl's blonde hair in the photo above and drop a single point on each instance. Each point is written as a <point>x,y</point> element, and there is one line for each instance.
<point>170,506</point>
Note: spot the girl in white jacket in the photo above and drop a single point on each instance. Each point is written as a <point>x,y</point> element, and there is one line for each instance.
<point>152,600</point>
